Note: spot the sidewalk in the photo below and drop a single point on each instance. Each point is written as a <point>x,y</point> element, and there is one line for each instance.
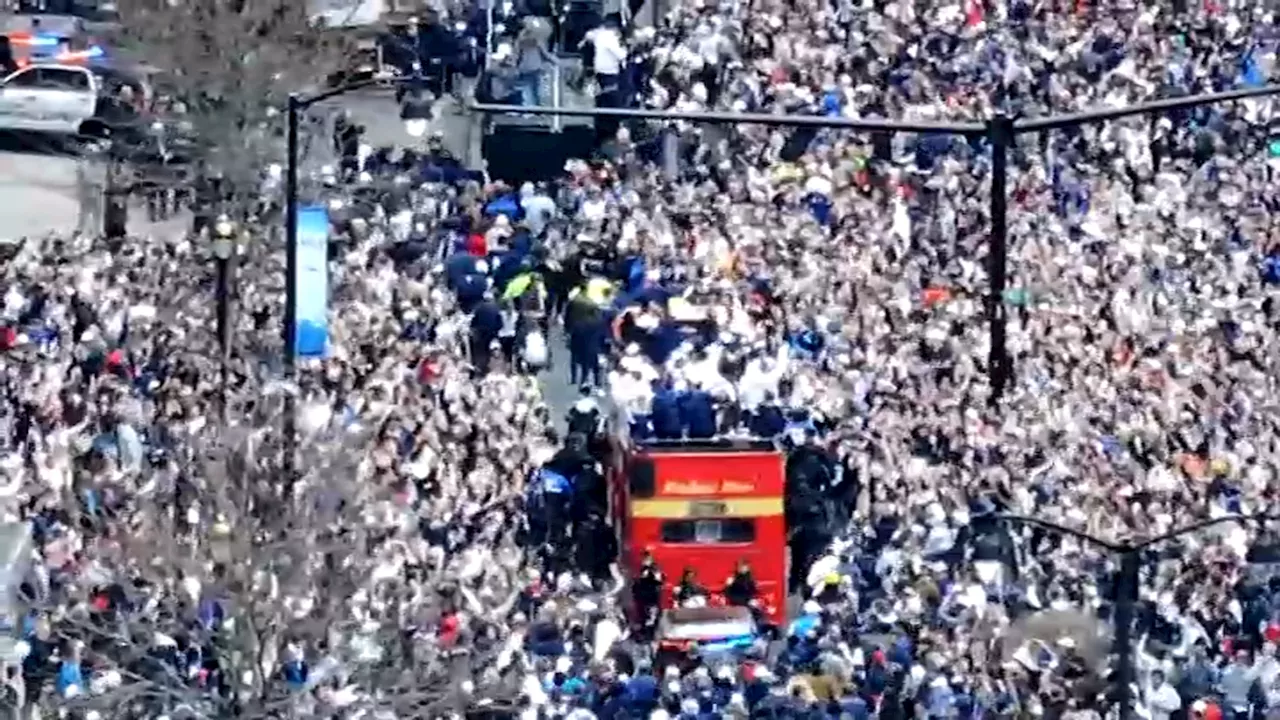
<point>169,230</point>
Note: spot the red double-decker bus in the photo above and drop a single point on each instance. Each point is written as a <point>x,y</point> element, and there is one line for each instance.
<point>706,505</point>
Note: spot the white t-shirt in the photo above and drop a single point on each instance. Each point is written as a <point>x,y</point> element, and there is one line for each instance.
<point>610,55</point>
<point>509,320</point>
<point>535,349</point>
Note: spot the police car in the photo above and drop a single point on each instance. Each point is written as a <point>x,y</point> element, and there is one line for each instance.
<point>58,93</point>
<point>52,98</point>
<point>706,631</point>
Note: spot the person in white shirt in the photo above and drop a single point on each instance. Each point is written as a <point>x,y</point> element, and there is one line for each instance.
<point>608,56</point>
<point>534,353</point>
<point>1162,699</point>
<point>539,209</point>
<point>761,378</point>
<point>508,333</point>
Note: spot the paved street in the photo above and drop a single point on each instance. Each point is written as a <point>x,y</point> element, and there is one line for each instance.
<point>379,113</point>
<point>39,194</point>
<point>558,392</point>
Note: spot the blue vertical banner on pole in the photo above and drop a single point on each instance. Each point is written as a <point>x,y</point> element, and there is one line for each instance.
<point>311,312</point>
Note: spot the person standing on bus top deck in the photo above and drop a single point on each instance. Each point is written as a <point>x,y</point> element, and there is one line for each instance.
<point>689,592</point>
<point>698,413</point>
<point>740,589</point>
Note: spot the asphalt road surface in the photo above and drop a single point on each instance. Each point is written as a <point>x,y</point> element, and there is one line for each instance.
<point>377,110</point>
<point>39,195</point>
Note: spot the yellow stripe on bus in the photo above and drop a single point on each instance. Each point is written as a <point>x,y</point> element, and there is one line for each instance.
<point>741,508</point>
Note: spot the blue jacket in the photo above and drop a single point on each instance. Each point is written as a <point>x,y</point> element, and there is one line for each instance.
<point>504,205</point>
<point>661,343</point>
<point>295,673</point>
<point>665,415</point>
<point>755,692</point>
<point>457,268</point>
<point>635,277</point>
<point>486,322</point>
<point>1271,269</point>
<point>901,652</point>
<point>471,292</point>
<point>589,337</point>
<point>808,344</point>
<point>642,694</point>
<point>767,421</point>
<point>877,680</point>
<point>69,673</point>
<point>505,269</point>
<point>698,414</point>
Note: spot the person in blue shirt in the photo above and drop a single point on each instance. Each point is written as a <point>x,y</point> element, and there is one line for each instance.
<point>807,344</point>
<point>767,420</point>
<point>70,675</point>
<point>506,267</point>
<point>877,677</point>
<point>901,652</point>
<point>471,292</point>
<point>587,340</point>
<point>611,700</point>
<point>486,322</point>
<point>659,344</point>
<point>802,652</point>
<point>634,274</point>
<point>1271,267</point>
<point>756,691</point>
<point>698,413</point>
<point>939,700</point>
<point>664,412</point>
<point>642,693</point>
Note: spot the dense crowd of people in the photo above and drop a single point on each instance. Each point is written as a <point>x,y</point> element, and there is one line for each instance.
<point>418,557</point>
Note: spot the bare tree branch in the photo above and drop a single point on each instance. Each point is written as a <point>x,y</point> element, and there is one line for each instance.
<point>230,65</point>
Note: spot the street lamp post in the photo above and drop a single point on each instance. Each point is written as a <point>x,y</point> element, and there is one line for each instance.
<point>297,104</point>
<point>290,459</point>
<point>224,249</point>
<point>1128,581</point>
<point>1001,135</point>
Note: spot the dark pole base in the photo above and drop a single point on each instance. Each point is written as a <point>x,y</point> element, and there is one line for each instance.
<point>115,222</point>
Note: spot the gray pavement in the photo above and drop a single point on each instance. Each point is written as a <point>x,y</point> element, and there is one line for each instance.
<point>377,110</point>
<point>557,391</point>
<point>39,194</point>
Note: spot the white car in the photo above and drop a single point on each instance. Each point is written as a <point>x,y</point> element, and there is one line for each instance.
<point>53,99</point>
